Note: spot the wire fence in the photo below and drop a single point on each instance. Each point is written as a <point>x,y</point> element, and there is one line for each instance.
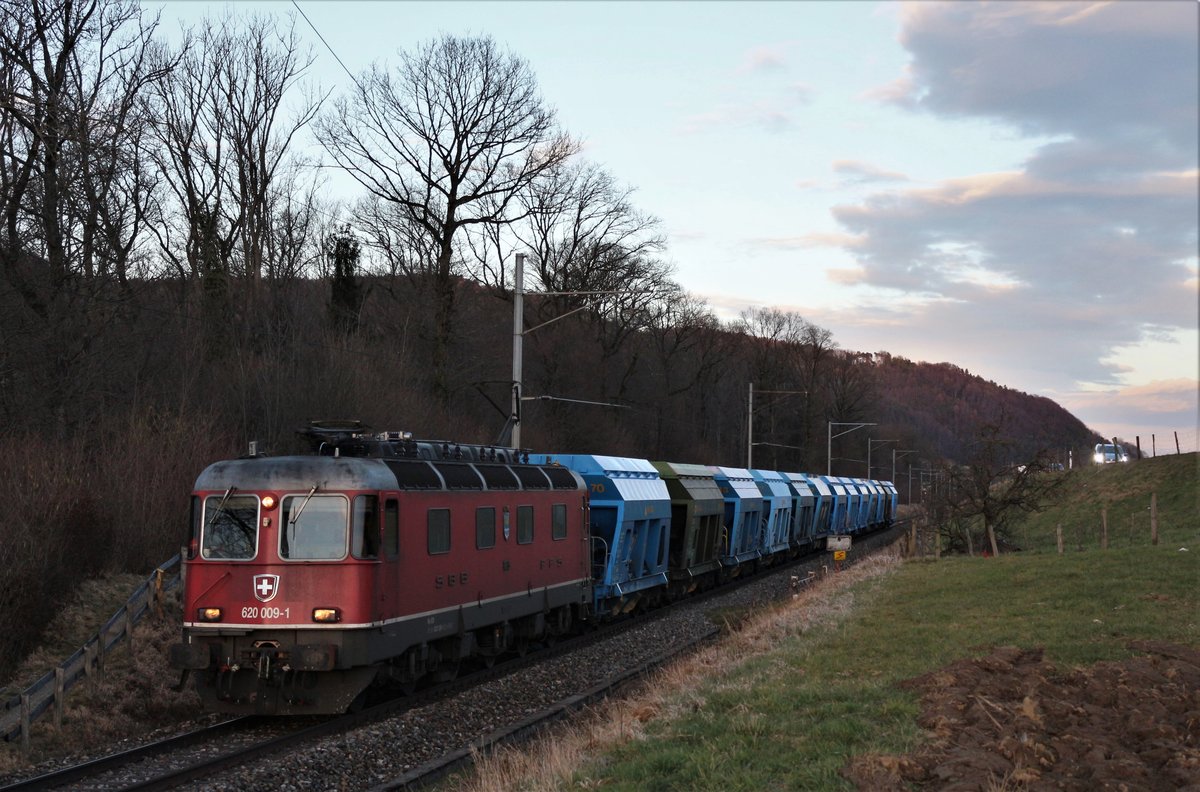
<point>48,693</point>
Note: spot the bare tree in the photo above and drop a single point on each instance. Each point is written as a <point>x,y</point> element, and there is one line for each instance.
<point>74,191</point>
<point>689,350</point>
<point>225,146</point>
<point>992,487</point>
<point>584,231</point>
<point>594,249</point>
<point>449,139</point>
<point>72,178</point>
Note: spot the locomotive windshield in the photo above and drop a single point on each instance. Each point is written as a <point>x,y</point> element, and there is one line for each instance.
<point>313,527</point>
<point>230,527</point>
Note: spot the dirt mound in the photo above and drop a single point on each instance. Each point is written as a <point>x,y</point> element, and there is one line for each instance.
<point>1011,721</point>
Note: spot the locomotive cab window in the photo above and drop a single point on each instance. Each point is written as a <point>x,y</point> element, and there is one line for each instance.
<point>365,533</point>
<point>313,527</point>
<point>524,524</point>
<point>439,531</point>
<point>230,527</point>
<point>558,521</point>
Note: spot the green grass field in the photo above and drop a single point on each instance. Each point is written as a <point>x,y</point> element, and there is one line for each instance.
<point>791,718</point>
<point>1125,491</point>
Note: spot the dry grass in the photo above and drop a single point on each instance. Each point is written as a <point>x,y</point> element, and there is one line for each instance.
<point>132,700</point>
<point>553,761</point>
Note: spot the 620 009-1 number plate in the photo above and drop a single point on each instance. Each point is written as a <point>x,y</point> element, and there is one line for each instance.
<point>254,612</point>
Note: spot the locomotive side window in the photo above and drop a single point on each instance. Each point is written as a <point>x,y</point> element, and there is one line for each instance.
<point>230,529</point>
<point>524,524</point>
<point>313,527</point>
<point>365,533</point>
<point>558,521</point>
<point>439,531</point>
<point>485,528</point>
<point>391,528</point>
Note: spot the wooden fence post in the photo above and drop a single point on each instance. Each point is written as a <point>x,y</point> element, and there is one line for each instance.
<point>1104,528</point>
<point>912,542</point>
<point>100,655</point>
<point>25,709</point>
<point>1058,535</point>
<point>158,593</point>
<point>129,629</point>
<point>60,693</point>
<point>1154,518</point>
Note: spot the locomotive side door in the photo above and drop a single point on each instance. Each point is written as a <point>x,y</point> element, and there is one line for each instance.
<point>387,580</point>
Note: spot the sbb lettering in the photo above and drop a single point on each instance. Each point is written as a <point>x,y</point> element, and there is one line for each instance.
<point>450,581</point>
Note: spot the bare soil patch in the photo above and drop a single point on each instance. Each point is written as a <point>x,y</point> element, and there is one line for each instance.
<point>1012,721</point>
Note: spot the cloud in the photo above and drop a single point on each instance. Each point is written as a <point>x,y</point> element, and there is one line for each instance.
<point>1090,246</point>
<point>1160,408</point>
<point>816,239</point>
<point>758,97</point>
<point>1095,70</point>
<point>856,172</point>
<point>802,93</point>
<point>762,59</point>
<point>761,114</point>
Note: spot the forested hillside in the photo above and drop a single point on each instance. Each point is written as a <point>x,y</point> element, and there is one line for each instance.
<point>944,405</point>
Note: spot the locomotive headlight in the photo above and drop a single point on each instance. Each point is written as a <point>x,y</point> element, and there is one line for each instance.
<point>268,502</point>
<point>209,614</point>
<point>327,615</point>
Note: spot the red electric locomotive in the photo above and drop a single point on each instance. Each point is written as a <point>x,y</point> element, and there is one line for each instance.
<point>377,559</point>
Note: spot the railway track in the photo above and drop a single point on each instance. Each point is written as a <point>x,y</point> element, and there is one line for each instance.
<point>224,747</point>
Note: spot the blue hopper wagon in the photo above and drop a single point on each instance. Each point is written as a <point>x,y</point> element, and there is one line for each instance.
<point>743,517</point>
<point>630,518</point>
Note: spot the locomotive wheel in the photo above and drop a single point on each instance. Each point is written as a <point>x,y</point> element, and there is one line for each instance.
<point>522,646</point>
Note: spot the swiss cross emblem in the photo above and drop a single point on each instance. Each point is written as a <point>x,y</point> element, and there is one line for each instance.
<point>266,587</point>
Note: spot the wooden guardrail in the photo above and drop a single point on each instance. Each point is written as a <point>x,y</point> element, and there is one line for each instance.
<point>20,711</point>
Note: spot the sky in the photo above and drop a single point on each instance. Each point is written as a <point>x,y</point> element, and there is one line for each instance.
<point>1011,187</point>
